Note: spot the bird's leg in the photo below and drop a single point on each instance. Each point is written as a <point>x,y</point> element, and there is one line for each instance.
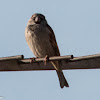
<point>46,59</point>
<point>32,60</point>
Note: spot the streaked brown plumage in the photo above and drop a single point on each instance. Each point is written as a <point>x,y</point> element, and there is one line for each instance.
<point>41,40</point>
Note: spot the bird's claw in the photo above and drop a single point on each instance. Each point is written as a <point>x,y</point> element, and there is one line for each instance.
<point>46,59</point>
<point>32,60</point>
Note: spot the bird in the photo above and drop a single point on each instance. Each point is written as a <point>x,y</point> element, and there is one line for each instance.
<point>41,40</point>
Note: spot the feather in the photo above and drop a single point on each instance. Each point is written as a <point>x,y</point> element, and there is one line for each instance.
<point>56,64</point>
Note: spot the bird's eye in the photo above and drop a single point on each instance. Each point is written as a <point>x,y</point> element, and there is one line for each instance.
<point>33,18</point>
<point>42,18</point>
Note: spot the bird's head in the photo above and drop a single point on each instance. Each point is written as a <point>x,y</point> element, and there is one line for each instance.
<point>37,19</point>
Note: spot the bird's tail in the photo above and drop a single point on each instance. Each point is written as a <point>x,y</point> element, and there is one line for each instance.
<point>62,79</point>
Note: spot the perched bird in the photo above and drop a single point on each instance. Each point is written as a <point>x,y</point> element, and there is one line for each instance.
<point>41,40</point>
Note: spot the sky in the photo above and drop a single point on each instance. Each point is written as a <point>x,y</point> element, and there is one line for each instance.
<point>76,24</point>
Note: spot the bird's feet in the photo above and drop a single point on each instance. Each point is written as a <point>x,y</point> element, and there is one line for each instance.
<point>32,60</point>
<point>46,59</point>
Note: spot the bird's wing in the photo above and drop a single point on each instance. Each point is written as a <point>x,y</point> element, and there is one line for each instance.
<point>53,41</point>
<point>56,64</point>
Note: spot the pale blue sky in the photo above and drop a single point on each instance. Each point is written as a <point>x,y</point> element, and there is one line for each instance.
<point>76,24</point>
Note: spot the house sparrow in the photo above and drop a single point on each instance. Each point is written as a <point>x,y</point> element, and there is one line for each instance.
<point>41,40</point>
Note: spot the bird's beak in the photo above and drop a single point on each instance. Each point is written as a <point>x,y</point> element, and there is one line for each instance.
<point>37,20</point>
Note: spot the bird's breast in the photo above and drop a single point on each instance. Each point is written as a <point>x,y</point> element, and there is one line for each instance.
<point>39,42</point>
